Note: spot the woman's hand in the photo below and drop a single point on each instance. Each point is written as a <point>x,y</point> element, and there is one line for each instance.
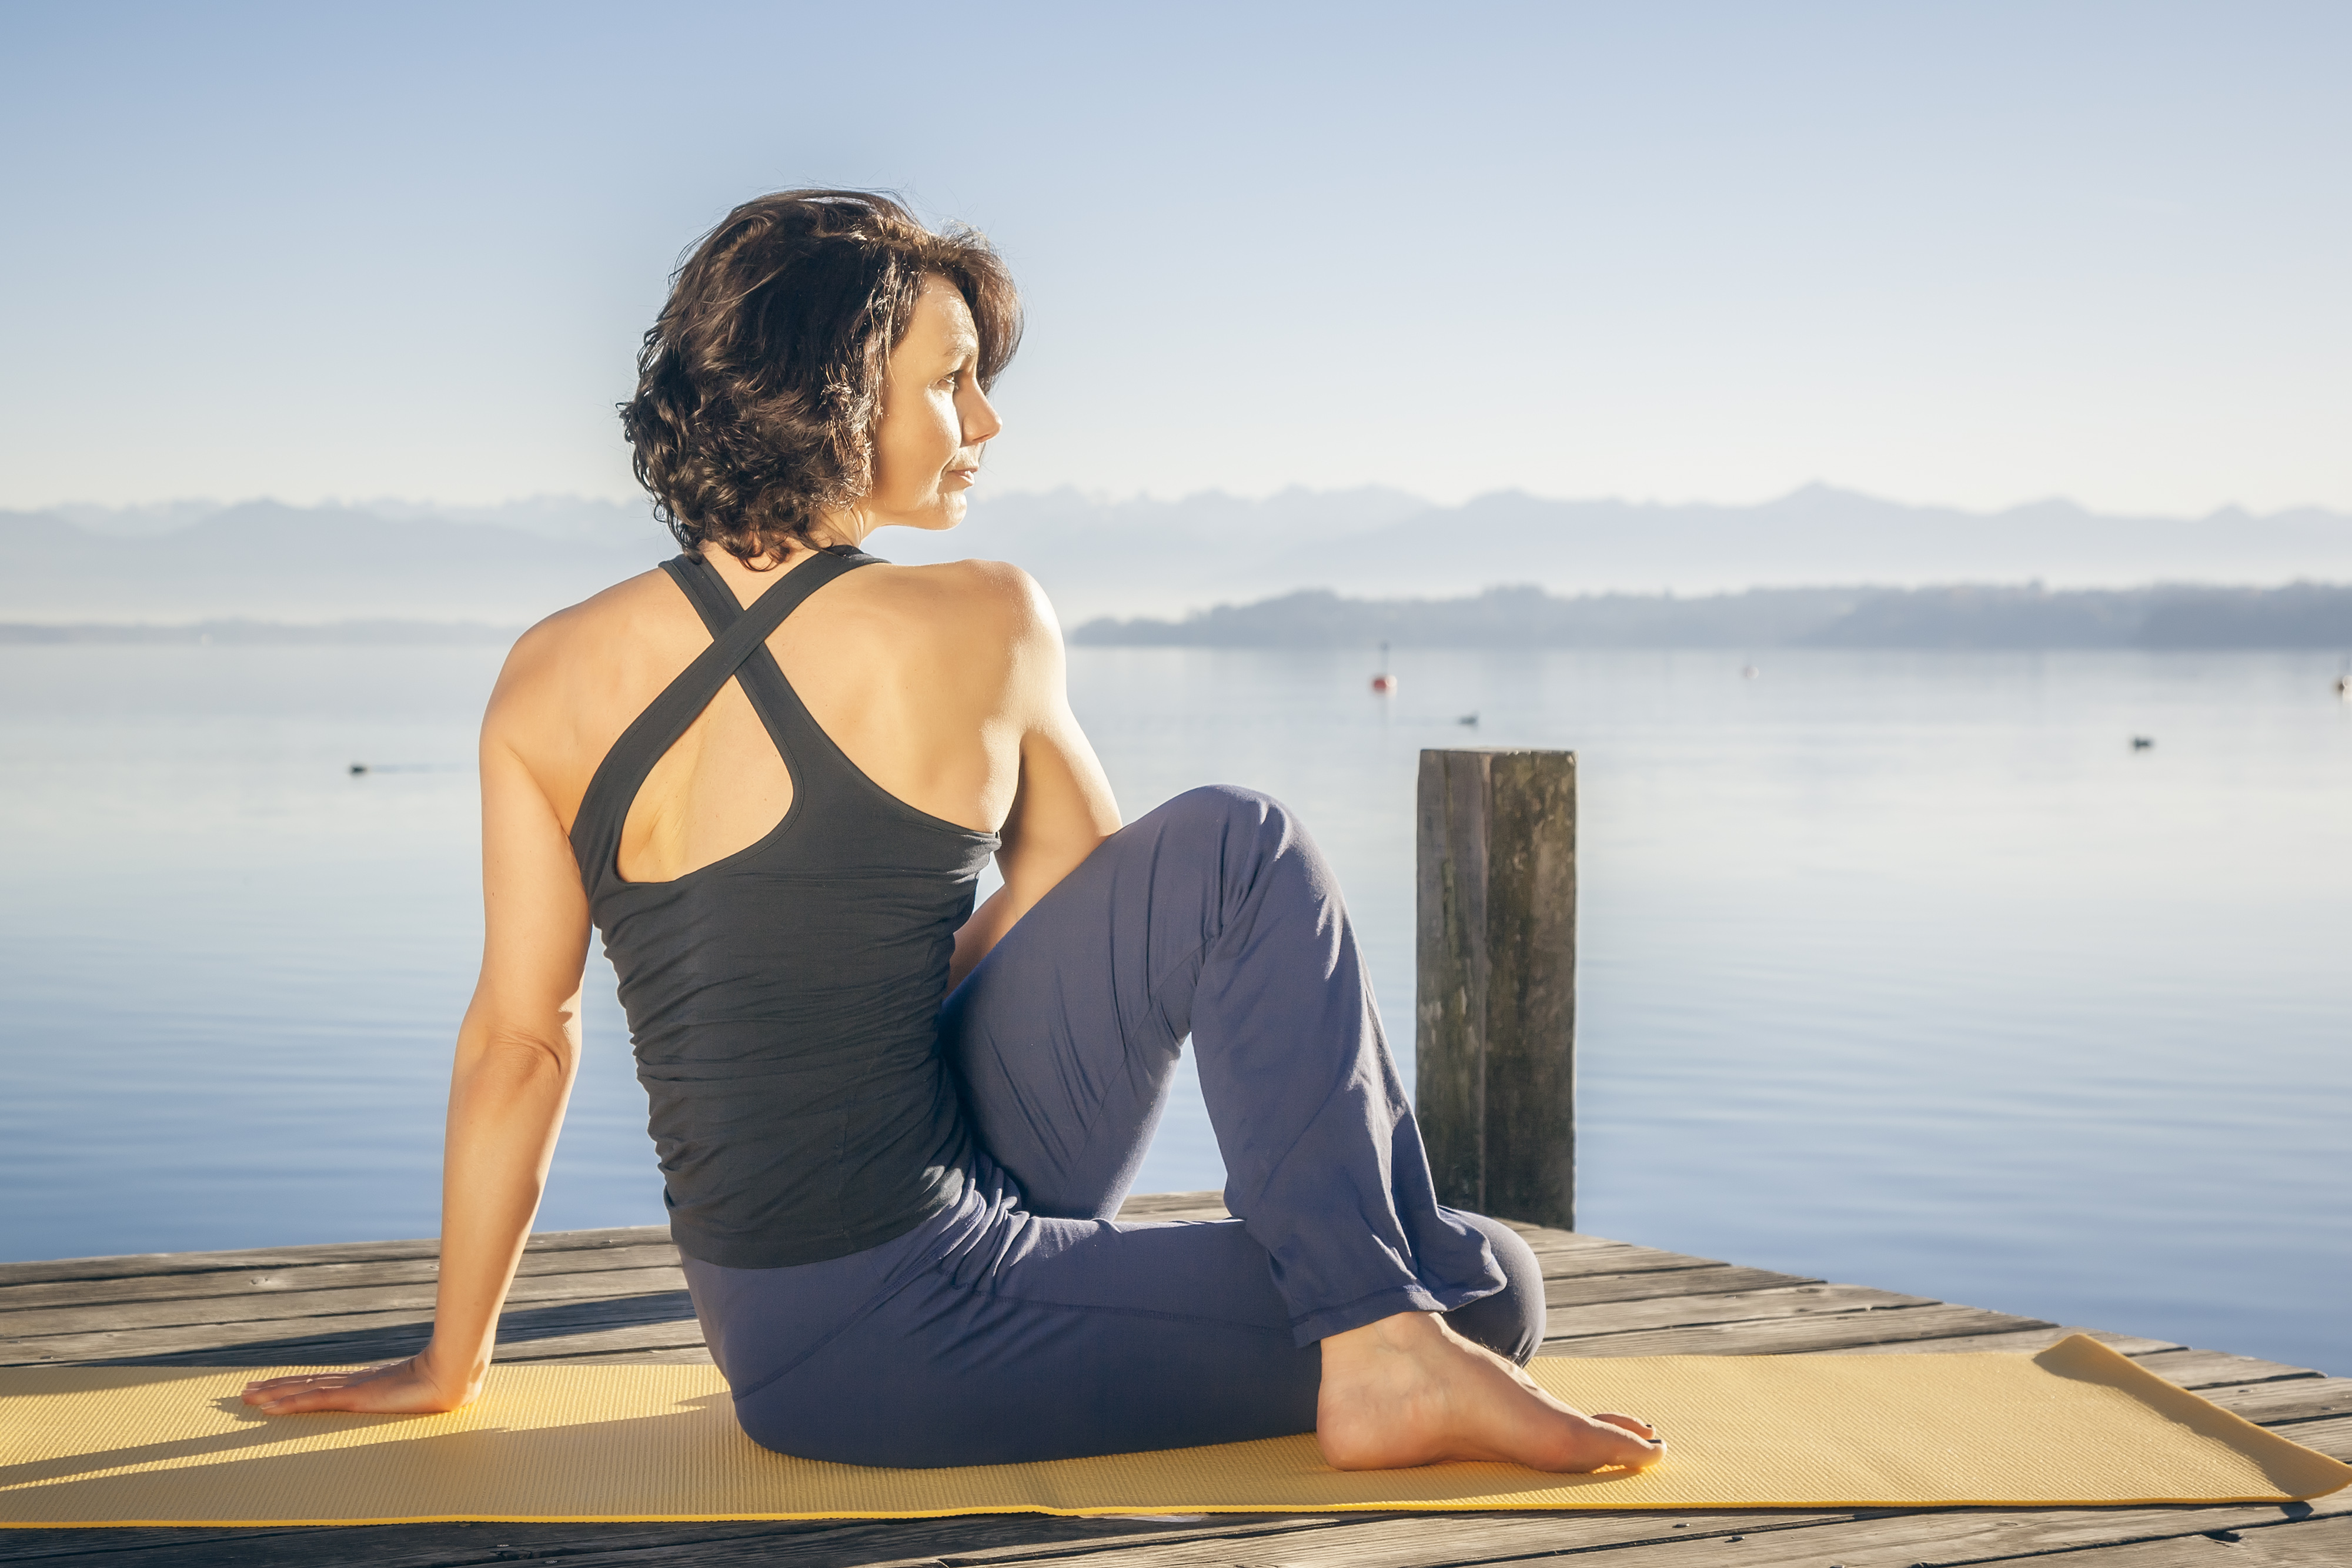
<point>410,1387</point>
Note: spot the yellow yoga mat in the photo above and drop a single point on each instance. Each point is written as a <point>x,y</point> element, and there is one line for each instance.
<point>2077,1423</point>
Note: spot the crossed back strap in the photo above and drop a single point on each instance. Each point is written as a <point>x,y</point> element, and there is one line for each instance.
<point>738,642</point>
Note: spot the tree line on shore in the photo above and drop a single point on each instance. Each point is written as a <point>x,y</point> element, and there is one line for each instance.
<point>2299,615</point>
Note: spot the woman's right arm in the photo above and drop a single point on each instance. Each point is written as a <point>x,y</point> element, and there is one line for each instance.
<point>1063,805</point>
<point>518,1050</point>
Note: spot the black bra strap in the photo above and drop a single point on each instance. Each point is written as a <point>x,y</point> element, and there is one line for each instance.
<point>706,591</point>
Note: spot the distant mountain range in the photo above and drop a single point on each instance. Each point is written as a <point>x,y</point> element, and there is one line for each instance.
<point>1163,559</point>
<point>261,560</point>
<point>188,561</point>
<point>2301,615</point>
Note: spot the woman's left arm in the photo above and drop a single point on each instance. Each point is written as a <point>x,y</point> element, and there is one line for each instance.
<point>518,1050</point>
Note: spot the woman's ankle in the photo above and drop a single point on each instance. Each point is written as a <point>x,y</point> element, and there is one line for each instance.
<point>1398,1332</point>
<point>1406,1390</point>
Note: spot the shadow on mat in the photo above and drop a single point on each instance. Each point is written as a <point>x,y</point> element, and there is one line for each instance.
<point>517,1326</point>
<point>374,1477</point>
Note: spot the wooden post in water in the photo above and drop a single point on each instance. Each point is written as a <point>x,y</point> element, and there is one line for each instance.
<point>1495,1029</point>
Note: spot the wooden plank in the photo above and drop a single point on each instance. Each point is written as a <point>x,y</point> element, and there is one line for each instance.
<point>1928,1539</point>
<point>2302,1544</point>
<point>1208,1532</point>
<point>265,1257</point>
<point>1546,1240</point>
<point>2016,1342</point>
<point>1617,1258</point>
<point>809,1543</point>
<point>281,1306</point>
<point>1721,1279</point>
<point>1740,1306</point>
<point>87,1545</point>
<point>2290,1399</point>
<point>1894,1327</point>
<point>675,1341</point>
<point>2211,1368</point>
<point>1559,1234</point>
<point>968,1541</point>
<point>1412,1541</point>
<point>151,1265</point>
<point>596,1348</point>
<point>2331,1435</point>
<point>359,1336</point>
<point>380,1546</point>
<point>312,1277</point>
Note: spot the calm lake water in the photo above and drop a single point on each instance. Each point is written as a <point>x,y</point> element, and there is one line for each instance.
<point>1898,969</point>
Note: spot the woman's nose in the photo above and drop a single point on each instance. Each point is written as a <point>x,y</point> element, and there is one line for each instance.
<point>978,418</point>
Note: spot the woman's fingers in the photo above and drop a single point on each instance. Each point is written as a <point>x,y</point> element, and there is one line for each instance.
<point>310,1382</point>
<point>307,1380</point>
<point>318,1394</point>
<point>398,1388</point>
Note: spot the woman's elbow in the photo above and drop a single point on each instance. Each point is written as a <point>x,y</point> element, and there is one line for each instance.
<point>516,1056</point>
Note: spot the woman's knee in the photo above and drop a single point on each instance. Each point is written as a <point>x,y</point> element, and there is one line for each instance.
<point>1221,806</point>
<point>1511,1321</point>
<point>1248,826</point>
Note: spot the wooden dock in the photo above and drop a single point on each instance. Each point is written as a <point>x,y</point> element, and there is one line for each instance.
<point>618,1295</point>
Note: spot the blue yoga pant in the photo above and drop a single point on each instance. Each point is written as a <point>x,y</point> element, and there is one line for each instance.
<point>1023,1323</point>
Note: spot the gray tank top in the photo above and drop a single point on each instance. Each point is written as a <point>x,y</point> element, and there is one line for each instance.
<point>782,1002</point>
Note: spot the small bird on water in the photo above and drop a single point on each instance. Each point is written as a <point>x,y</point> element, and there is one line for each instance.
<point>2143,743</point>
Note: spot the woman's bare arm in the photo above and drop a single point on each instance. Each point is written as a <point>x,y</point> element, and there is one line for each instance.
<point>1064,806</point>
<point>518,1050</point>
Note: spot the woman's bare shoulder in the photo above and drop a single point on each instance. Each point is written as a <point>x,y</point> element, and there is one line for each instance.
<point>970,599</point>
<point>978,634</point>
<point>602,645</point>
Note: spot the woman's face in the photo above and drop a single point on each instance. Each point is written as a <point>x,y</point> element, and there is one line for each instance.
<point>935,418</point>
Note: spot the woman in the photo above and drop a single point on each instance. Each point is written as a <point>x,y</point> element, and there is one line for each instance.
<point>893,1128</point>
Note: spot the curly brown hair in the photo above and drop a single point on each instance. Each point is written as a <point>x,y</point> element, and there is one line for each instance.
<point>760,385</point>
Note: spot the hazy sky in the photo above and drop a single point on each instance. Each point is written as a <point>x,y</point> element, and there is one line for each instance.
<point>1967,253</point>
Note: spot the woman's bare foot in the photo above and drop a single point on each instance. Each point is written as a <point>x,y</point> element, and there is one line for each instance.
<point>1408,1390</point>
